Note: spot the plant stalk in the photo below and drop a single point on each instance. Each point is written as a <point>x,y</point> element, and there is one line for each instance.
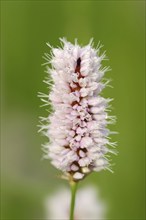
<point>73,186</point>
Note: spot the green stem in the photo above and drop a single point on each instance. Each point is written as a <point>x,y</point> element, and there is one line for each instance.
<point>73,197</point>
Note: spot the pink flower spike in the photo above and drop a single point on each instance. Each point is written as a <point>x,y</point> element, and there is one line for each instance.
<point>77,127</point>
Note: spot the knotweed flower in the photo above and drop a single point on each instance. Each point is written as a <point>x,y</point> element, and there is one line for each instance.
<point>89,205</point>
<point>77,127</point>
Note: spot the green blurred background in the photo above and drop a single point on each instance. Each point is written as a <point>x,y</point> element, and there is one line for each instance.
<point>26,27</point>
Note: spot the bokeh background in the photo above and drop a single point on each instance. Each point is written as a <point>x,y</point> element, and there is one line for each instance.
<point>26,26</point>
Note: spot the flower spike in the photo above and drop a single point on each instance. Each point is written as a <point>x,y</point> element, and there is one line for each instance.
<point>77,127</point>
